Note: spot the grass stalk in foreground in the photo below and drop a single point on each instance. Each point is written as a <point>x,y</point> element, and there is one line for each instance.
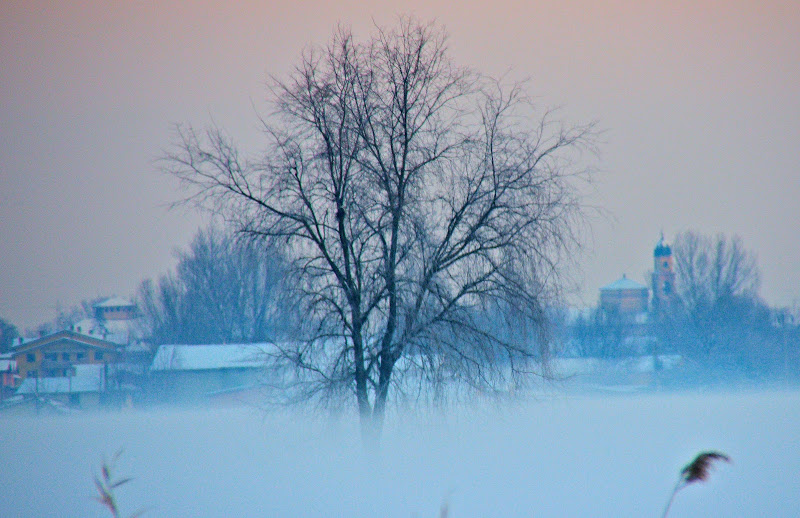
<point>106,485</point>
<point>696,471</point>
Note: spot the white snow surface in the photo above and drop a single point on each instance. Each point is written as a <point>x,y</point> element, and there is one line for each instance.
<point>550,456</point>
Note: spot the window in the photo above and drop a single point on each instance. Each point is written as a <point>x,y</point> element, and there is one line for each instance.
<point>79,356</point>
<point>65,357</point>
<point>30,357</point>
<point>98,355</point>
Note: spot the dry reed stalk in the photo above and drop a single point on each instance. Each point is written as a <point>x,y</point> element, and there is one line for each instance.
<point>696,471</point>
<point>106,485</point>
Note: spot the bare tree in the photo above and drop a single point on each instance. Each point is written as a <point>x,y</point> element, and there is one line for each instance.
<point>223,290</point>
<point>8,333</point>
<point>415,197</point>
<point>601,334</point>
<point>713,269</point>
<point>68,317</point>
<point>720,319</point>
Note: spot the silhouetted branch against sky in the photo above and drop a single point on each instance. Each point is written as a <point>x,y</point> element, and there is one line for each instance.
<point>414,196</point>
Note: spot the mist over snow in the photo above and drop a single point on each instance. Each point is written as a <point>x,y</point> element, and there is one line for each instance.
<point>552,456</point>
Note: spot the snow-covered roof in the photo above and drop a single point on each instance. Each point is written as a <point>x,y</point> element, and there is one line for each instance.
<point>87,378</point>
<point>662,248</point>
<point>117,331</point>
<point>624,283</point>
<point>69,335</point>
<point>205,357</point>
<point>113,302</point>
<point>20,341</point>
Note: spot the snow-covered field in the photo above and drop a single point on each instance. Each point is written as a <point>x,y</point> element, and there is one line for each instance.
<point>559,456</point>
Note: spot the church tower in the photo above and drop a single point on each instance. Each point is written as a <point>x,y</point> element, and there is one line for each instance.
<point>663,275</point>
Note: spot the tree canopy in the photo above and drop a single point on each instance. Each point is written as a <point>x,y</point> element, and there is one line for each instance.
<point>414,197</point>
<point>223,290</point>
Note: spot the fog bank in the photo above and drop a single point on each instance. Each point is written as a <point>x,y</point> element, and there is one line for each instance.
<point>554,456</point>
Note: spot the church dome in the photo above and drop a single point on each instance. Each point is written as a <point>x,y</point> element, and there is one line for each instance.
<point>662,248</point>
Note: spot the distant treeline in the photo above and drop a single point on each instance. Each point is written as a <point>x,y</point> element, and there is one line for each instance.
<point>716,321</point>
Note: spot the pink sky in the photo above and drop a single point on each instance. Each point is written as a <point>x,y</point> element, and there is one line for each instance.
<point>700,102</point>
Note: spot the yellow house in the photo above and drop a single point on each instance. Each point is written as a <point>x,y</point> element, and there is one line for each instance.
<point>624,297</point>
<point>55,355</point>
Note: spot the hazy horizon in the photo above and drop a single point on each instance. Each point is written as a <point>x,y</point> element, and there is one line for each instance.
<point>698,102</point>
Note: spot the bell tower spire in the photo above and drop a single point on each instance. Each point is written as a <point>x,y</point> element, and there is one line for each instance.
<point>663,275</point>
